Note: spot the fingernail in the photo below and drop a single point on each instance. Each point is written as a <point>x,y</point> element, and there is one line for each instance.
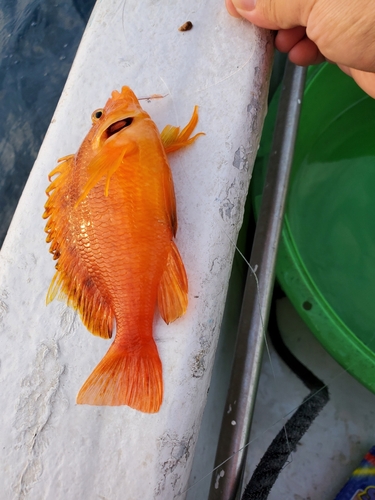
<point>245,5</point>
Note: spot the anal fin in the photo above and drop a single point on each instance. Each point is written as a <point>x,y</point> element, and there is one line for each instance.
<point>173,288</point>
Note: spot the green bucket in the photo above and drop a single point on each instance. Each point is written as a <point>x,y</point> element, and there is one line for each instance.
<point>326,259</point>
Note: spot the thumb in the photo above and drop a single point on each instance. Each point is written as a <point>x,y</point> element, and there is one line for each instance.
<point>272,14</point>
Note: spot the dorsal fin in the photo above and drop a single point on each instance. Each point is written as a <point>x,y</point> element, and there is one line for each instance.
<point>72,280</point>
<point>170,199</point>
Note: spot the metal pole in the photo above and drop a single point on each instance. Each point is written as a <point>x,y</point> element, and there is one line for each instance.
<point>235,428</point>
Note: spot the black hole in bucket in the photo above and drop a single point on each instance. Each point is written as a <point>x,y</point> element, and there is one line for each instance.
<point>307,305</point>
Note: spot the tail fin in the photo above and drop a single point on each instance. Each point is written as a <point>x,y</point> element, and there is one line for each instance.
<point>126,378</point>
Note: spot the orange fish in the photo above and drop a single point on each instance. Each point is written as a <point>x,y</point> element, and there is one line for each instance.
<point>111,214</point>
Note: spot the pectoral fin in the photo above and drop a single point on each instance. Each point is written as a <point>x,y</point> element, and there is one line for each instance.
<point>173,288</point>
<point>105,164</point>
<point>173,139</point>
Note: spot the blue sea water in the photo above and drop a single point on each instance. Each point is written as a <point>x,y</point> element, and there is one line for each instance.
<point>38,42</point>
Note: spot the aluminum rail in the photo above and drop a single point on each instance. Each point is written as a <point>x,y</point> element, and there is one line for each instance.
<point>235,429</point>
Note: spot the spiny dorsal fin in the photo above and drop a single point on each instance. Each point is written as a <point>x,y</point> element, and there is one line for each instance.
<point>72,280</point>
<point>170,199</point>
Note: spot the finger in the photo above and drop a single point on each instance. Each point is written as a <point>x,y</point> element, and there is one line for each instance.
<point>286,39</point>
<point>274,14</point>
<point>305,52</point>
<point>302,51</point>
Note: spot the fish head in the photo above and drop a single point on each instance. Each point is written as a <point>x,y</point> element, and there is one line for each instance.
<point>119,122</point>
<point>119,132</point>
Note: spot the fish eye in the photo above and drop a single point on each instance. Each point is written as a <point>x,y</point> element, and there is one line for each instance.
<point>96,115</point>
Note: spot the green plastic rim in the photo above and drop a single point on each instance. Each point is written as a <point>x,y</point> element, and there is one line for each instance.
<point>326,259</point>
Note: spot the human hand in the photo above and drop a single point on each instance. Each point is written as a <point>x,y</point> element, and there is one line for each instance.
<point>312,31</point>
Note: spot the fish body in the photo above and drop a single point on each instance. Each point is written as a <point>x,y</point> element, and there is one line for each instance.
<point>111,214</point>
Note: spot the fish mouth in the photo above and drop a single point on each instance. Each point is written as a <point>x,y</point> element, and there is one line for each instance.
<point>117,126</point>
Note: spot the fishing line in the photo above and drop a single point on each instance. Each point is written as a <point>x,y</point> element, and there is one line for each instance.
<point>236,248</point>
<point>170,93</point>
<point>220,223</point>
<point>123,16</point>
<point>287,438</point>
<point>253,271</point>
<point>285,431</point>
